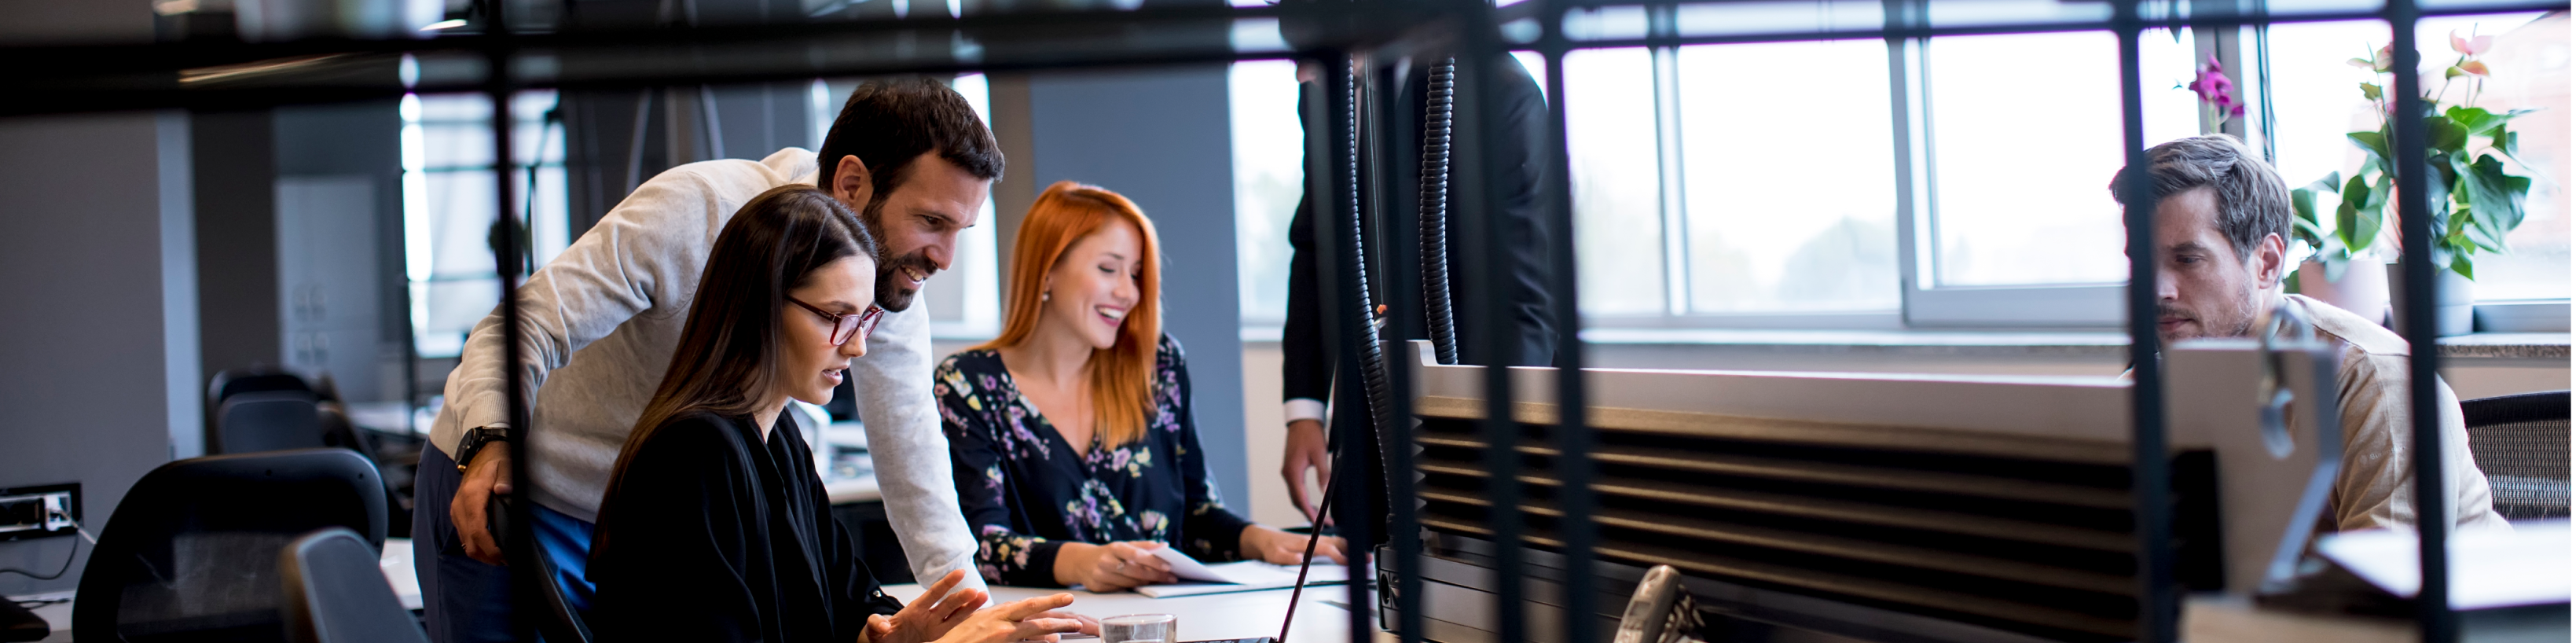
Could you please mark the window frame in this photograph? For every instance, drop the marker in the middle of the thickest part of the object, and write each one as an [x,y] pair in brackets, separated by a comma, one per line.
[1923,302]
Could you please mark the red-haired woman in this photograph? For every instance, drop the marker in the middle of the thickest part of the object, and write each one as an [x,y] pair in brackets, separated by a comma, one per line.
[1076,454]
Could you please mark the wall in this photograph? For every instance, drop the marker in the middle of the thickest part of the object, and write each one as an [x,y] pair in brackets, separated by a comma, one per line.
[1161,138]
[97,264]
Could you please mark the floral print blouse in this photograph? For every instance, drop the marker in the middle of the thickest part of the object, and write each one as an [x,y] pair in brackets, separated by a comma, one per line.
[1025,492]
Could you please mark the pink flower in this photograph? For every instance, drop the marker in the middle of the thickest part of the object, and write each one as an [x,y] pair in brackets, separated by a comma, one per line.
[2474,67]
[2471,46]
[2215,89]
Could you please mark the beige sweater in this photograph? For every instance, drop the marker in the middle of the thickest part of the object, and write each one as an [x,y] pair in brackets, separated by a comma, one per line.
[2377,486]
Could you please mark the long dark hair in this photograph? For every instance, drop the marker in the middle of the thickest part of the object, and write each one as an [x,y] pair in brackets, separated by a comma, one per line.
[729,349]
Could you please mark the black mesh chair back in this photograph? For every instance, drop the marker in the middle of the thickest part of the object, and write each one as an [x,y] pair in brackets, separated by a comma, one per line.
[268,421]
[191,552]
[2520,441]
[335,593]
[253,380]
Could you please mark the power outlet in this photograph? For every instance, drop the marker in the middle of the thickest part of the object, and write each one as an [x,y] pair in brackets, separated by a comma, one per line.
[39,511]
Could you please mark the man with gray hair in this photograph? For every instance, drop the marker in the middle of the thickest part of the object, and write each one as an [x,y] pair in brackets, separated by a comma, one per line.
[2222,217]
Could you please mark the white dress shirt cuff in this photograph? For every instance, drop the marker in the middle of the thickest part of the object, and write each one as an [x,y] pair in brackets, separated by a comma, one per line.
[1303,409]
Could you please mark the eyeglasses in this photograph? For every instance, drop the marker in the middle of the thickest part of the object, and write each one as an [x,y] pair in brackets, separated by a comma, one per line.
[845,326]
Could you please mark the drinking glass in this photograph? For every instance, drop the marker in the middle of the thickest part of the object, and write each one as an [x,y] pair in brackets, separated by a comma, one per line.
[1140,628]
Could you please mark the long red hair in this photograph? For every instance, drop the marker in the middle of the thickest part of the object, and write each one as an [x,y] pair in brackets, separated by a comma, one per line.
[1121,375]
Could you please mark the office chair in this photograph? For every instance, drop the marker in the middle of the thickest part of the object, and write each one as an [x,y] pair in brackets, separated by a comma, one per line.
[2520,441]
[268,421]
[335,593]
[191,552]
[252,380]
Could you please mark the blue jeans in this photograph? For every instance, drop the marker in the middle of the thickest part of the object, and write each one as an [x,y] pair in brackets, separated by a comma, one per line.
[465,600]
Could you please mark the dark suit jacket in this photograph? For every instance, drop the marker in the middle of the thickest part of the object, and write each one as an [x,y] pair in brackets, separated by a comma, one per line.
[1306,371]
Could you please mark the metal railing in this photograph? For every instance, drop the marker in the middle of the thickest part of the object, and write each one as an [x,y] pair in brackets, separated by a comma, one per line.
[1348,168]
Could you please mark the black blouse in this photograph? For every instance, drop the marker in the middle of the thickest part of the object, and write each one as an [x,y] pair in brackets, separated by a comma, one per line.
[713,535]
[1026,493]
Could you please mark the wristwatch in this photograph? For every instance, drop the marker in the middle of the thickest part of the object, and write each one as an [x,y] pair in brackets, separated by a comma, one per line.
[473,442]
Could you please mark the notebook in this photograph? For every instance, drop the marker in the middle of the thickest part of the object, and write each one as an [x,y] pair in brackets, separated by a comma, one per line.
[1240,576]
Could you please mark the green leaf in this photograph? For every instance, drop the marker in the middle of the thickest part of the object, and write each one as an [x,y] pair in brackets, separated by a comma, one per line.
[2494,200]
[2328,184]
[2478,121]
[2444,135]
[2357,220]
[2376,143]
[2460,264]
[2369,90]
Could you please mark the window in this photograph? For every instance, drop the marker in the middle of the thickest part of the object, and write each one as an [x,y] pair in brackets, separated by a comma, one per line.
[1789,175]
[1618,206]
[1861,183]
[2021,178]
[1269,145]
[2529,63]
[449,206]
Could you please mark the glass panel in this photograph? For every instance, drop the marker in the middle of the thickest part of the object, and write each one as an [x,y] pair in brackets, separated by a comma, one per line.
[2316,95]
[1790,209]
[1610,142]
[452,308]
[1605,23]
[2021,178]
[1779,17]
[2528,69]
[1268,146]
[449,202]
[460,215]
[1962,13]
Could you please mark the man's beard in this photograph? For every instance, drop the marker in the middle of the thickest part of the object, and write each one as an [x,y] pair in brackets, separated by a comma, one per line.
[2235,321]
[894,290]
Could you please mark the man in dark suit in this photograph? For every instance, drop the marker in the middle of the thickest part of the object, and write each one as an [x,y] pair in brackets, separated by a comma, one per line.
[1307,368]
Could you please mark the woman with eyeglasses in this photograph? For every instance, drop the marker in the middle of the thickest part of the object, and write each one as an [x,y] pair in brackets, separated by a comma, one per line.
[715,526]
[1076,452]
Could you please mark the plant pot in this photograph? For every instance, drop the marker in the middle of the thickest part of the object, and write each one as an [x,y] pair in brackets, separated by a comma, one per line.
[2362,290]
[2454,305]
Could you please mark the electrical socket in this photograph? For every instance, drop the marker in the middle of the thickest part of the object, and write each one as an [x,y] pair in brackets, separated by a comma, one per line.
[39,511]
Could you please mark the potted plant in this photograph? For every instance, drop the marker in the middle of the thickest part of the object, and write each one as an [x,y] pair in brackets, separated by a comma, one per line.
[2475,202]
[2327,273]
[2323,275]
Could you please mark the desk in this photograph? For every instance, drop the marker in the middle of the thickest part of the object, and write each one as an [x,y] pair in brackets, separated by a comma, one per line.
[1208,616]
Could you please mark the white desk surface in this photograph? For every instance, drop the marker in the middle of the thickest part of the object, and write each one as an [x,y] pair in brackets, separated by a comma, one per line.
[1207,616]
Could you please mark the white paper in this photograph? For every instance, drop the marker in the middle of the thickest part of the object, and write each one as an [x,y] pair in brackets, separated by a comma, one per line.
[1203,578]
[2489,568]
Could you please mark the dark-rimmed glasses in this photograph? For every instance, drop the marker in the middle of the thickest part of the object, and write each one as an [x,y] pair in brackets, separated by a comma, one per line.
[845,326]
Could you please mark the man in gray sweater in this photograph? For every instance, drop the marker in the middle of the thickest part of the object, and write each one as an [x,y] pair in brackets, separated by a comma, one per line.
[599,322]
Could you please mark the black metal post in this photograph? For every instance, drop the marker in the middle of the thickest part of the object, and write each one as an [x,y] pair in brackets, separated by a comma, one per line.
[2418,287]
[1574,468]
[507,261]
[2150,474]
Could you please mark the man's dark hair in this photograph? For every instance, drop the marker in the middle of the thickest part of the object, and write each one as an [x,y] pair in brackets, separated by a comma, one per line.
[2252,200]
[889,123]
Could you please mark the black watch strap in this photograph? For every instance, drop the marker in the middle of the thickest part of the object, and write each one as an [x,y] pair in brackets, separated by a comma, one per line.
[473,443]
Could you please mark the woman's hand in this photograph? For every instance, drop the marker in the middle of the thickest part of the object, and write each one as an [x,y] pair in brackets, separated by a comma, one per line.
[1282,548]
[1112,567]
[1016,621]
[930,615]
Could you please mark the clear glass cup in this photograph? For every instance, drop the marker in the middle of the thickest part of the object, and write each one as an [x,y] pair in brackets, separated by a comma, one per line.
[1140,628]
